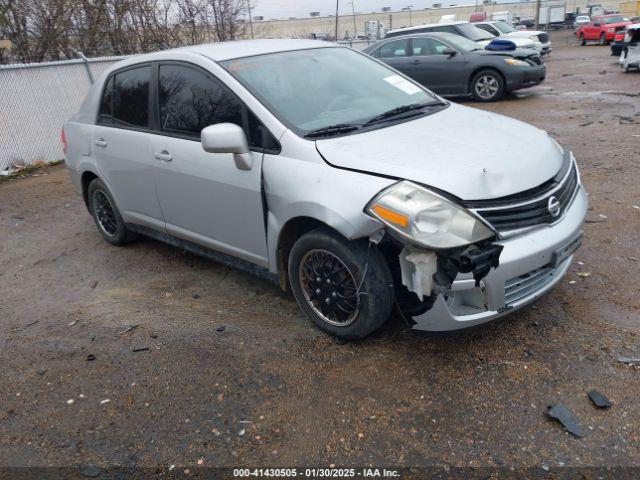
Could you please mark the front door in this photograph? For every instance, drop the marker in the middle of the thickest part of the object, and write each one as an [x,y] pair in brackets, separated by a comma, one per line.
[429,65]
[204,197]
[395,54]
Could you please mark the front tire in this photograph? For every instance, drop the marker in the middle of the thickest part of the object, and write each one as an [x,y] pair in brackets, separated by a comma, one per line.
[583,42]
[487,86]
[106,214]
[344,287]
[603,40]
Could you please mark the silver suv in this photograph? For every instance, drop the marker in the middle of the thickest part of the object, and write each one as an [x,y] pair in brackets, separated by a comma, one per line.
[332,174]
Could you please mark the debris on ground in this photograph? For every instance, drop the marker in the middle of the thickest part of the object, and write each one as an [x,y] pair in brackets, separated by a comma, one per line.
[93,284]
[598,399]
[195,295]
[563,415]
[584,274]
[128,329]
[91,357]
[71,401]
[141,349]
[30,324]
[42,371]
[106,400]
[71,324]
[628,360]
[585,124]
[221,328]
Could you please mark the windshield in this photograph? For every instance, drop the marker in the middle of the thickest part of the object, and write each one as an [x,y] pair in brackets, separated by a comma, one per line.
[615,19]
[461,43]
[504,28]
[322,87]
[474,33]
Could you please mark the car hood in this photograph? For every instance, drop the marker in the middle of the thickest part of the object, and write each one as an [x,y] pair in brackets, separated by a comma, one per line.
[469,153]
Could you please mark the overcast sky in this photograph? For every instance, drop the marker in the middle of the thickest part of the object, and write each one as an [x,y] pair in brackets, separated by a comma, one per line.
[302,8]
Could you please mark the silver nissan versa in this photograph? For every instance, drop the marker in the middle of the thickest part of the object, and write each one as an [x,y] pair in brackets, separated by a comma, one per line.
[334,175]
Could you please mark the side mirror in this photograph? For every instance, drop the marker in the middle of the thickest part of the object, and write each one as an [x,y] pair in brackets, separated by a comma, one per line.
[227,138]
[451,52]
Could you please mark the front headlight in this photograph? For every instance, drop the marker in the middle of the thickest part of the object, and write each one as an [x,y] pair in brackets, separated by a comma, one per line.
[515,62]
[426,218]
[535,38]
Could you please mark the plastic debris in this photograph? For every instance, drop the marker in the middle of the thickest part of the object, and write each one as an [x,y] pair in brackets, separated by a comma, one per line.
[128,329]
[584,274]
[71,324]
[141,349]
[565,417]
[91,357]
[628,360]
[71,401]
[221,328]
[598,399]
[106,400]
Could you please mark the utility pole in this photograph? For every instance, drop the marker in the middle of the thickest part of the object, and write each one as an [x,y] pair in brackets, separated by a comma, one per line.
[337,15]
[250,19]
[537,17]
[353,11]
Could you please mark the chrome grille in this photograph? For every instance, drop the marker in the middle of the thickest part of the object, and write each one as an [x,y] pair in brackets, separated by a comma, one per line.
[521,287]
[535,211]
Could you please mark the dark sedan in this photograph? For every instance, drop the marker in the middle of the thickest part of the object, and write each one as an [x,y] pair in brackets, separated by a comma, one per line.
[450,65]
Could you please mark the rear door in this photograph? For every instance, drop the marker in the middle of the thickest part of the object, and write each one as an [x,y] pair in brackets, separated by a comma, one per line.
[430,66]
[120,144]
[395,54]
[204,197]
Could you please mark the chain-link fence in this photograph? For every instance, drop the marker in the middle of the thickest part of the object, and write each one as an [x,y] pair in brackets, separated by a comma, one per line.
[35,100]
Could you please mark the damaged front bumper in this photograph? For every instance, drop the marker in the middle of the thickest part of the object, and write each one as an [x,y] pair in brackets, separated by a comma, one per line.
[530,265]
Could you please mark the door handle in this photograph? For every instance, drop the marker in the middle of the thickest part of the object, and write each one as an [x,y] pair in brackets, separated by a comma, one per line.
[100,143]
[163,155]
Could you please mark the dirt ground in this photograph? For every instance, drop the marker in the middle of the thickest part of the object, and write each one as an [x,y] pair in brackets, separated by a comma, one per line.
[231,374]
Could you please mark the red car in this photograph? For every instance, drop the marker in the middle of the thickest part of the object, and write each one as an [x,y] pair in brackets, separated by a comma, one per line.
[602,28]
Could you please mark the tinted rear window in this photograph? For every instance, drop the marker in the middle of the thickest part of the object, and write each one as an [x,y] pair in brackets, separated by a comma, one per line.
[131,97]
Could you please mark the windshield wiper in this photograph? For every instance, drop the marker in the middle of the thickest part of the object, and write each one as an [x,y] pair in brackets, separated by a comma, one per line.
[332,130]
[399,111]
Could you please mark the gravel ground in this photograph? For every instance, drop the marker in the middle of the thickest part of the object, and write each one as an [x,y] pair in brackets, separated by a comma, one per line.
[231,374]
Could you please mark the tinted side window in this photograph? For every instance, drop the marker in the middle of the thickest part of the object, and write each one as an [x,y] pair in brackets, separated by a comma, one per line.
[190,101]
[427,46]
[394,49]
[105,115]
[258,135]
[489,29]
[131,97]
[445,28]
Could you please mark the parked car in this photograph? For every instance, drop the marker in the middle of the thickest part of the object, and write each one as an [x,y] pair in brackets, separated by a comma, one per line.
[619,40]
[630,54]
[449,64]
[464,29]
[331,174]
[503,30]
[602,29]
[581,20]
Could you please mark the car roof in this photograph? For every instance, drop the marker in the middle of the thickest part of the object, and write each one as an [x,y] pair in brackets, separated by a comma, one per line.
[427,25]
[222,51]
[440,35]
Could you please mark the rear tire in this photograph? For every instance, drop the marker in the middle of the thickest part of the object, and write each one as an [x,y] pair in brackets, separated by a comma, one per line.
[344,287]
[583,42]
[106,214]
[487,86]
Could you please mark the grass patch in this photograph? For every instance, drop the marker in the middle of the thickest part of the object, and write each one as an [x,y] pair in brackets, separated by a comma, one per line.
[29,169]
